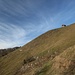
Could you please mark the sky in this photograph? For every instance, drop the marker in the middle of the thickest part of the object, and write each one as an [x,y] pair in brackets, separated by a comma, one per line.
[23,20]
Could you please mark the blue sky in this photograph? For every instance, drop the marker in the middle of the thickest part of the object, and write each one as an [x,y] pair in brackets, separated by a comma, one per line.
[23,20]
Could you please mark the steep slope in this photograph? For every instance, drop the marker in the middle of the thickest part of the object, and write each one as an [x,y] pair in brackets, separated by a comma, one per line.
[42,55]
[64,64]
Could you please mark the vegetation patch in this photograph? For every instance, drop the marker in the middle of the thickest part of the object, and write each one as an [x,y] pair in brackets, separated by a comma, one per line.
[29,60]
[44,69]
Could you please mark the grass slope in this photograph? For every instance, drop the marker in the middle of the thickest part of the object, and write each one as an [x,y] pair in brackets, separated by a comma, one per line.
[49,50]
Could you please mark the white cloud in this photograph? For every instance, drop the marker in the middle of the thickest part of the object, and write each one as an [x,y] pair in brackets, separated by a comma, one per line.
[11,35]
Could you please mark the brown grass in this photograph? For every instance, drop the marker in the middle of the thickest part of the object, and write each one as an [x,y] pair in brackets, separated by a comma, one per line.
[57,40]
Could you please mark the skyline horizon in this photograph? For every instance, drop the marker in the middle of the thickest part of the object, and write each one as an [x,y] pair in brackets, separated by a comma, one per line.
[23,20]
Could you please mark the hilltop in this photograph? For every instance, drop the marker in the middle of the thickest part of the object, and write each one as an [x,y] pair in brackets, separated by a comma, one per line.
[52,53]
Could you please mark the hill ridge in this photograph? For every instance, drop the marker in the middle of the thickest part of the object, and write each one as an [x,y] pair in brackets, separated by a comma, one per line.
[38,56]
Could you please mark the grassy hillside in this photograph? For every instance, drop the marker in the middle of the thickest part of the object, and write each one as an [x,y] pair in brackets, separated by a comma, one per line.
[52,53]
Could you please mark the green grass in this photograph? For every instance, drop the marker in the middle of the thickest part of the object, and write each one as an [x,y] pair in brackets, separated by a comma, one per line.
[44,69]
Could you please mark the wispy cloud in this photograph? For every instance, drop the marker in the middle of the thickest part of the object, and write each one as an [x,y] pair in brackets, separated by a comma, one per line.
[11,35]
[23,20]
